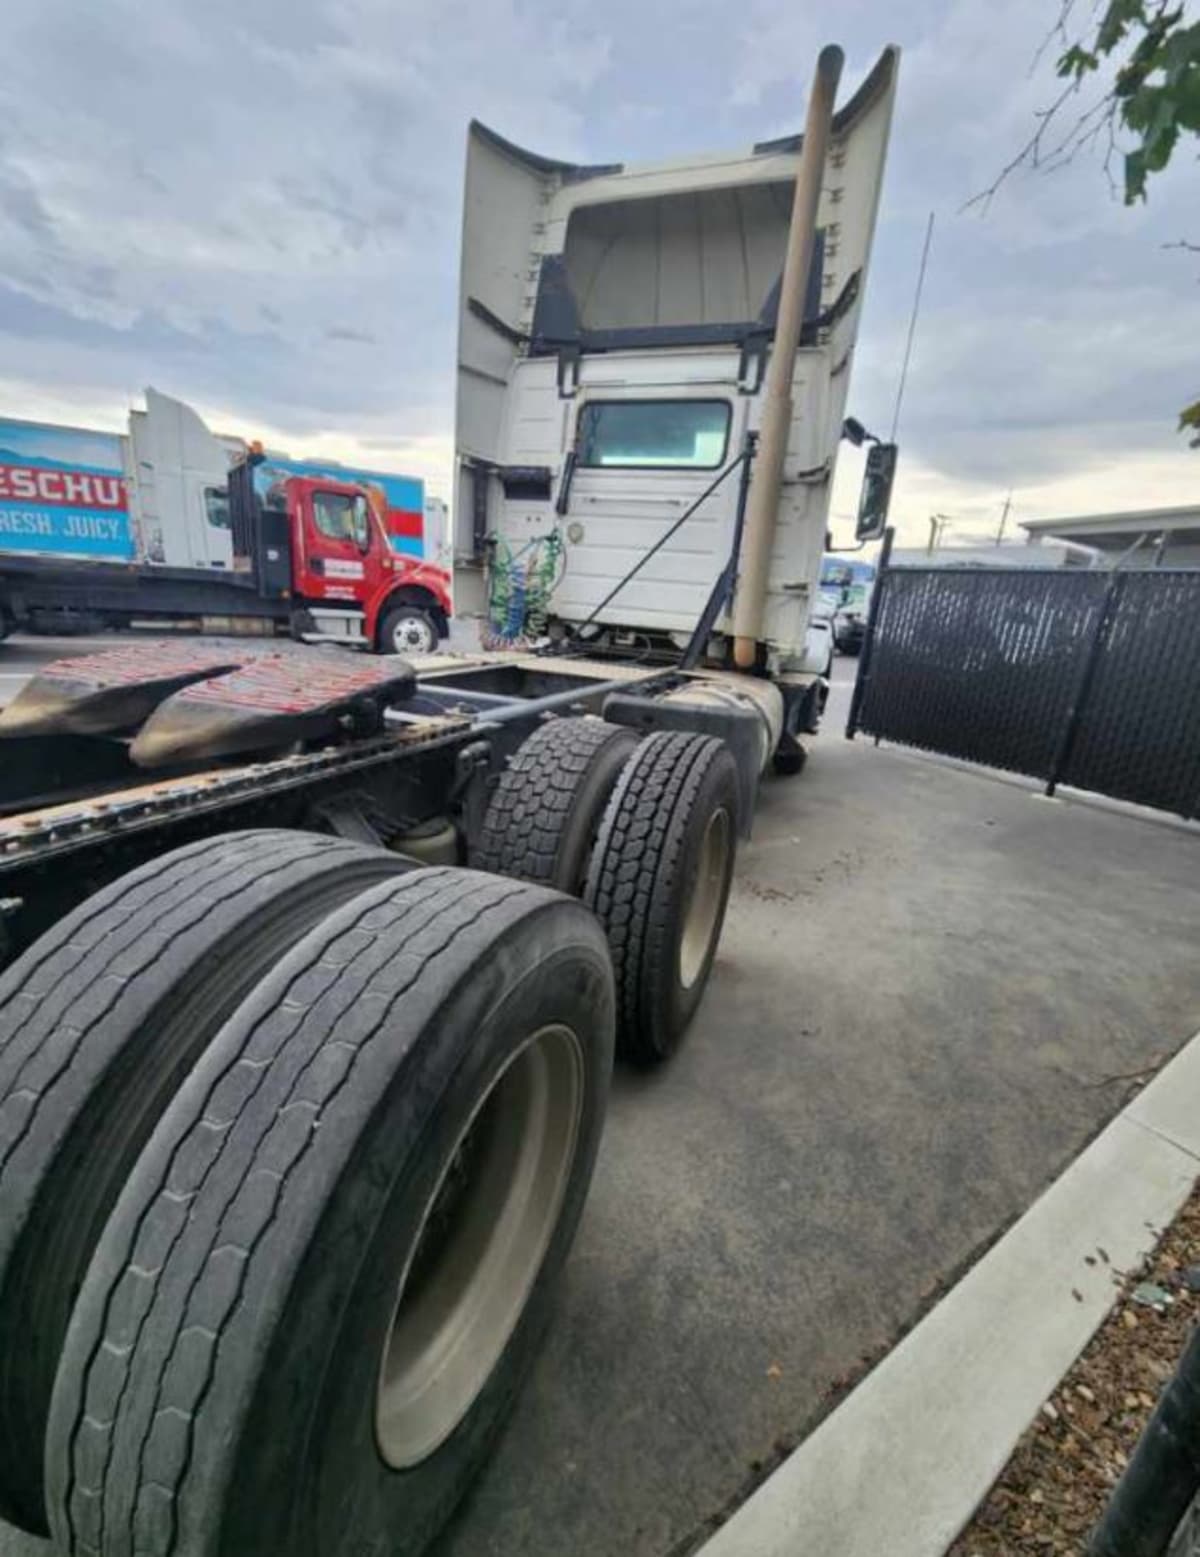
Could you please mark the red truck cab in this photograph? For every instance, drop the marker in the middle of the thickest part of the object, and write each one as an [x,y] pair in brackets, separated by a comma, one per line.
[348,583]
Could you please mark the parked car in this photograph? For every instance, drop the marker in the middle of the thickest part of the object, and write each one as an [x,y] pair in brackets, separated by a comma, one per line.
[845,591]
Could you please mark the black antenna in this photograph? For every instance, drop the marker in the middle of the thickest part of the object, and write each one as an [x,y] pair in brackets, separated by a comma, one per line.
[912,327]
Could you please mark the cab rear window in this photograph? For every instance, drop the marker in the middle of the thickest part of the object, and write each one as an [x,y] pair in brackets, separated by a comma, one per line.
[653,434]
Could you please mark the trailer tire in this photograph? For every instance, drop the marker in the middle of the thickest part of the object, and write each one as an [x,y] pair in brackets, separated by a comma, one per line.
[100,1021]
[545,812]
[659,884]
[411,1100]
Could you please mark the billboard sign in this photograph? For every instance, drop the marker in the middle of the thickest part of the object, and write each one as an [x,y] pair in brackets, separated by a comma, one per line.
[63,492]
[404,496]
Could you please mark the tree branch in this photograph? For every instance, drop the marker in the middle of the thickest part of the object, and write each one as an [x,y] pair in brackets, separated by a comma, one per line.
[1085,130]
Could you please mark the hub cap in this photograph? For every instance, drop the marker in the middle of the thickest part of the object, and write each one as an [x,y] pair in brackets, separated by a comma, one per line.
[413,635]
[704,906]
[483,1236]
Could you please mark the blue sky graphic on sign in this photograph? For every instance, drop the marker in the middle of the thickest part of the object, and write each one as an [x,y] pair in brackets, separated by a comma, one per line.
[405,495]
[62,492]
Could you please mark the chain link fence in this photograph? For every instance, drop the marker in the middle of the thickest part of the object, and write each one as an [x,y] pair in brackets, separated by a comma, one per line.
[1073,677]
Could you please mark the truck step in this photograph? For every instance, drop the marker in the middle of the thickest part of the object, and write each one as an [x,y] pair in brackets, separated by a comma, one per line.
[269,703]
[330,625]
[109,692]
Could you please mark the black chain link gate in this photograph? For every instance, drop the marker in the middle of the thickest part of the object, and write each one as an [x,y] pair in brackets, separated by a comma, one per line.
[1074,677]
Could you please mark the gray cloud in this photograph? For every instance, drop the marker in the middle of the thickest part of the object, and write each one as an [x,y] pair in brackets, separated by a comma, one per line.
[356,337]
[223,208]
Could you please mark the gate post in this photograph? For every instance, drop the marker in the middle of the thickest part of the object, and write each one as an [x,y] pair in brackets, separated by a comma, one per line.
[864,654]
[1084,685]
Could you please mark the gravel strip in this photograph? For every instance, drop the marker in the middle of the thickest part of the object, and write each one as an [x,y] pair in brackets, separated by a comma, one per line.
[1053,1489]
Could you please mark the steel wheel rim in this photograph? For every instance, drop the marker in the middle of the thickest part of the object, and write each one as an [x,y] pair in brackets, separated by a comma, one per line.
[462,1296]
[704,903]
[411,633]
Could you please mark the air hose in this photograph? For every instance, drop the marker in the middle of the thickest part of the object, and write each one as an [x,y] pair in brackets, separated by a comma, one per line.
[520,587]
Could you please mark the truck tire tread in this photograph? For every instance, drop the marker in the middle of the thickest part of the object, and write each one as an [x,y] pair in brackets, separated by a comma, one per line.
[543,815]
[634,879]
[99,1021]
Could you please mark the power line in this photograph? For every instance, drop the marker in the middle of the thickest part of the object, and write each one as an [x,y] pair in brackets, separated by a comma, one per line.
[912,327]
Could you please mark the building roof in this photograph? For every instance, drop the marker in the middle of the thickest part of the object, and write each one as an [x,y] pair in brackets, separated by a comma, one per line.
[1111,531]
[1009,554]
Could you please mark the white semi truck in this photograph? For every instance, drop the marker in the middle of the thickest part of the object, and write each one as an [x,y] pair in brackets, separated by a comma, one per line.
[620,367]
[298,1115]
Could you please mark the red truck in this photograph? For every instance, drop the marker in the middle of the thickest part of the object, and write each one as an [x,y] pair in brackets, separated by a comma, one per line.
[312,555]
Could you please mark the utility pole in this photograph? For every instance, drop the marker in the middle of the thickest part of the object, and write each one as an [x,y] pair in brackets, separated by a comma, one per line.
[1004,518]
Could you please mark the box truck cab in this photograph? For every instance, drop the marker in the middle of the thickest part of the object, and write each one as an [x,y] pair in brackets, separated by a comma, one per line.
[615,332]
[311,553]
[347,579]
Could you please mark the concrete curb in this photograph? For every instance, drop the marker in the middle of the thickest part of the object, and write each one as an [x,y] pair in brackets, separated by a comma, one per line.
[902,1464]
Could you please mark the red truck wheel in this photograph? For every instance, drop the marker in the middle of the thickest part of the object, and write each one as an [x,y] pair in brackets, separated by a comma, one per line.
[408,629]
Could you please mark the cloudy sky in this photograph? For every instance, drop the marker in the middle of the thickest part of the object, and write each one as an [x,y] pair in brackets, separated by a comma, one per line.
[253,204]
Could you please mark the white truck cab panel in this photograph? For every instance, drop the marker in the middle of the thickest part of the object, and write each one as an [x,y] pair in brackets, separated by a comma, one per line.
[178,472]
[614,329]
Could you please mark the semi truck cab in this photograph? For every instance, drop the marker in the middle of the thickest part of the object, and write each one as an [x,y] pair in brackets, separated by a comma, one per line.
[617,334]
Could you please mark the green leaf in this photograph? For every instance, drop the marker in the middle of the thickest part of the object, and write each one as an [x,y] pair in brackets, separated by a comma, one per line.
[1116,23]
[1189,418]
[1077,62]
[1135,176]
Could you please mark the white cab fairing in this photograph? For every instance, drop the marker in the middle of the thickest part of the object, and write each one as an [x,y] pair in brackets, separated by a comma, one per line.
[622,315]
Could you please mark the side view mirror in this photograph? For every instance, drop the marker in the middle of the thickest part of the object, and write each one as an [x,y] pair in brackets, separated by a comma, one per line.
[873,504]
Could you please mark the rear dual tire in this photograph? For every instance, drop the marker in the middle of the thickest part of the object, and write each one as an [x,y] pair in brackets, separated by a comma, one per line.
[544,815]
[645,831]
[659,884]
[409,1103]
[100,1021]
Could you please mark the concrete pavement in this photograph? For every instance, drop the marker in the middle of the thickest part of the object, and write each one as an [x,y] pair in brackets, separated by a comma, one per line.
[970,1378]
